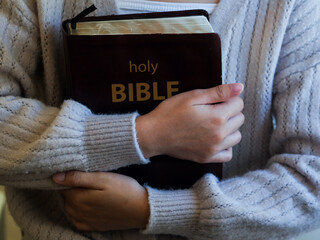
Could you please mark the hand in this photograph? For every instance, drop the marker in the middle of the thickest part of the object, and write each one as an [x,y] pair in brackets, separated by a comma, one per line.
[104,201]
[199,125]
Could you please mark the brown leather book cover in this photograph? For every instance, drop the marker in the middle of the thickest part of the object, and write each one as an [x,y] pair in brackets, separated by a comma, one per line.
[127,73]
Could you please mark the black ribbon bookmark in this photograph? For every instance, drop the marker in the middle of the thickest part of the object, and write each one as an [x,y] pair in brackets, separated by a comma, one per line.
[81,15]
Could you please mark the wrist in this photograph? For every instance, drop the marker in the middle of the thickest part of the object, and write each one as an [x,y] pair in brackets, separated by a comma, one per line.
[144,210]
[175,204]
[146,136]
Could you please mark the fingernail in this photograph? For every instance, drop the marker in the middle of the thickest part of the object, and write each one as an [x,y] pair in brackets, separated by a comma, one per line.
[236,87]
[59,177]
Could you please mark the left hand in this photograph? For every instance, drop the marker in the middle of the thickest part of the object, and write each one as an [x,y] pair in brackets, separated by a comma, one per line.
[104,201]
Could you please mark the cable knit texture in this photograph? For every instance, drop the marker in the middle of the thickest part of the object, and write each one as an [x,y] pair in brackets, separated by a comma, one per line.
[271,187]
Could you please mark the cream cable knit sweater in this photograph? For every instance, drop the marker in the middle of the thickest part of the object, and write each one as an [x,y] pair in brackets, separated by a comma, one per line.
[271,190]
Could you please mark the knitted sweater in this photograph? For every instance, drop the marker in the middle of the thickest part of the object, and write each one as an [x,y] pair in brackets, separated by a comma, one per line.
[271,187]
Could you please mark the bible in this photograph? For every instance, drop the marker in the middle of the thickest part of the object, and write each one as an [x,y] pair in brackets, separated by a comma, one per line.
[126,63]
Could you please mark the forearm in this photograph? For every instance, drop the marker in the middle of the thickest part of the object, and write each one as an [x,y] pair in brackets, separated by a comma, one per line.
[38,141]
[262,204]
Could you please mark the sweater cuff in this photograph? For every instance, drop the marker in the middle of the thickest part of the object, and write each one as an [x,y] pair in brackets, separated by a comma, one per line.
[112,139]
[174,212]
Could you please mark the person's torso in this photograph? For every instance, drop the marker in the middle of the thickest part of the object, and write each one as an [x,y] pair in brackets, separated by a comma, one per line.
[243,60]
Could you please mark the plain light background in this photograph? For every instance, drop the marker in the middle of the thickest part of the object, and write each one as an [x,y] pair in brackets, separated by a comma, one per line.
[12,231]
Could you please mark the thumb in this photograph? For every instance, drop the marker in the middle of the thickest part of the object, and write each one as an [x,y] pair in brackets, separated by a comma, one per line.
[78,179]
[220,93]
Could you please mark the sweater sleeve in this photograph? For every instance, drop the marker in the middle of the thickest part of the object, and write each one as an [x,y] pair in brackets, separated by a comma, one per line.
[281,200]
[36,140]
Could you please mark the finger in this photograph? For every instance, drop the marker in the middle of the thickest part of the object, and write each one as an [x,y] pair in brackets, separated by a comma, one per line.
[224,150]
[229,109]
[233,124]
[230,141]
[223,156]
[70,192]
[75,196]
[80,225]
[71,214]
[218,94]
[80,179]
[78,201]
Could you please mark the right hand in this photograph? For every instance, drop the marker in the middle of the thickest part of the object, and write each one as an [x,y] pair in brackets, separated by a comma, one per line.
[199,125]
